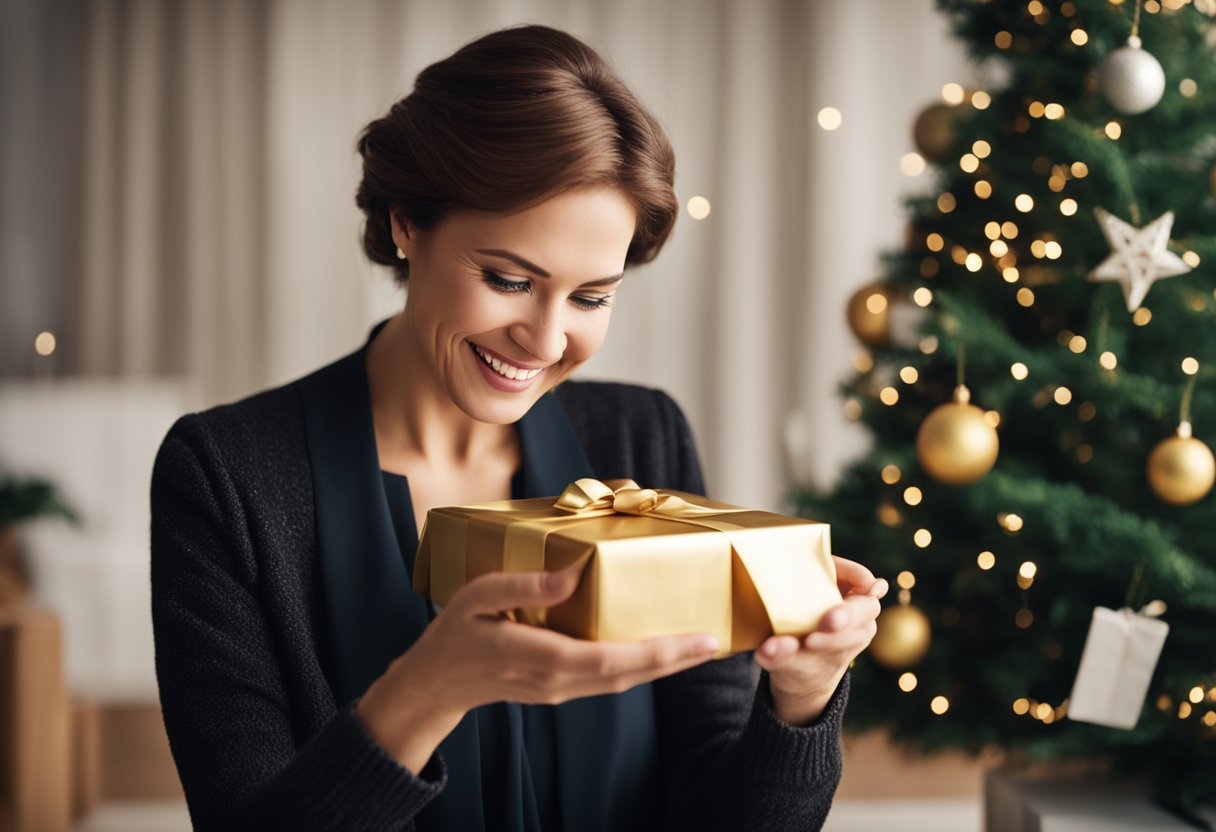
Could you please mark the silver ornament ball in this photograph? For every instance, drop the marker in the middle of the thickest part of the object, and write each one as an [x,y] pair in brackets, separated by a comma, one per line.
[1131,79]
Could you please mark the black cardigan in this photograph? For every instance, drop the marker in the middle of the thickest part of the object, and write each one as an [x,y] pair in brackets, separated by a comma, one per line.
[258,739]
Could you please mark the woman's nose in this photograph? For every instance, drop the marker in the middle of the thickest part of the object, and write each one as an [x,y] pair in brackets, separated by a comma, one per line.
[543,335]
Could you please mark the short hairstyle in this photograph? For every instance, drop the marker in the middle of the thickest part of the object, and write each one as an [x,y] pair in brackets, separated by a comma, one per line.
[512,118]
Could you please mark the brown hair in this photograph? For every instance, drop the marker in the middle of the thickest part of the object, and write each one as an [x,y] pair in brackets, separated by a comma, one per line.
[511,118]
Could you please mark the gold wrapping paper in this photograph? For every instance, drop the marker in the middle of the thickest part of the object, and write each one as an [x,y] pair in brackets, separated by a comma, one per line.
[655,562]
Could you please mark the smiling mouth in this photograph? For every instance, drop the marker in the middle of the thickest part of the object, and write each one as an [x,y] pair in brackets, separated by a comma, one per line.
[508,371]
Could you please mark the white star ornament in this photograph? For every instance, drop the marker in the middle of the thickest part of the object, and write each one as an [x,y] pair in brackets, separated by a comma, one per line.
[1139,255]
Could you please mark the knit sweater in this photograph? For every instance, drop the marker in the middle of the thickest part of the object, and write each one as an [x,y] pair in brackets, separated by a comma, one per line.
[257,736]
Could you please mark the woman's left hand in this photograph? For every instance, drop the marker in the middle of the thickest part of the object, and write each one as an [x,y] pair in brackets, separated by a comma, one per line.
[804,673]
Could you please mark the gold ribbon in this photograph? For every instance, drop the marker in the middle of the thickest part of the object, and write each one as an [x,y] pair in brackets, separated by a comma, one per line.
[627,497]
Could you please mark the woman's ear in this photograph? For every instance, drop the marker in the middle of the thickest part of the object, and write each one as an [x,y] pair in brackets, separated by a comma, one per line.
[403,235]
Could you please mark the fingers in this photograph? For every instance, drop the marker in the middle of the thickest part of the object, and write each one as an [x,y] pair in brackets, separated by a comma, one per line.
[495,592]
[853,578]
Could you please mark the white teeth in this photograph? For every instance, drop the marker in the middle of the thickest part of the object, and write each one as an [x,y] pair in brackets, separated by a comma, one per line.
[508,370]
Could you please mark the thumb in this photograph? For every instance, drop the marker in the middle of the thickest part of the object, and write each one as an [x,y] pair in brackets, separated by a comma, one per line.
[492,593]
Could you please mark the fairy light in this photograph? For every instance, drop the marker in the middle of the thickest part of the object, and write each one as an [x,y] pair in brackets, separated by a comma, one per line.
[1188,87]
[1035,8]
[1010,274]
[905,580]
[953,93]
[907,682]
[1080,170]
[1028,570]
[1184,710]
[830,118]
[1003,39]
[1108,360]
[922,296]
[998,248]
[1043,711]
[986,560]
[992,418]
[1142,316]
[1053,111]
[1190,366]
[1010,522]
[969,163]
[1086,411]
[1024,203]
[1113,130]
[1209,719]
[1019,371]
[980,100]
[982,188]
[1196,695]
[1009,230]
[909,375]
[981,149]
[928,345]
[1191,258]
[912,495]
[1062,395]
[974,262]
[889,515]
[1023,618]
[958,254]
[1079,36]
[1021,706]
[922,538]
[876,303]
[1036,109]
[44,343]
[891,474]
[935,242]
[1068,206]
[992,230]
[1025,297]
[939,705]
[888,396]
[1038,248]
[946,203]
[1077,344]
[912,164]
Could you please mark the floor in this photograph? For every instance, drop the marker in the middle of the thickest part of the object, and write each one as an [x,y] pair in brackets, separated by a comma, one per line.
[937,815]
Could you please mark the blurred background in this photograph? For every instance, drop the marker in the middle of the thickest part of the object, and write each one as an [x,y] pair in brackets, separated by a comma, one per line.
[178,229]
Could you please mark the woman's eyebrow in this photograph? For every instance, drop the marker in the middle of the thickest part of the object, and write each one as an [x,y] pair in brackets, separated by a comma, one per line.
[537,270]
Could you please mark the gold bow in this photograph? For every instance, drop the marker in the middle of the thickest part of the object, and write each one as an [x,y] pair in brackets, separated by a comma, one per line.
[625,496]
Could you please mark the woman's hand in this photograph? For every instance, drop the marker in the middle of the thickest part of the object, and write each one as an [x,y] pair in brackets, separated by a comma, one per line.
[472,655]
[804,673]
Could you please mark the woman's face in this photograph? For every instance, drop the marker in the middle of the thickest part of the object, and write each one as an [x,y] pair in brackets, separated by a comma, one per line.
[506,306]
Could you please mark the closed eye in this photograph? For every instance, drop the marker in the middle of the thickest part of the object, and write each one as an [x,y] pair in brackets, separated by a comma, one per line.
[510,287]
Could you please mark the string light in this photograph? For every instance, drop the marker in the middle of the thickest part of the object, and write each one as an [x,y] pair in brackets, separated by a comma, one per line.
[912,495]
[1086,411]
[982,188]
[946,203]
[935,242]
[986,560]
[981,149]
[998,248]
[1009,230]
[1019,371]
[992,230]
[1188,87]
[912,164]
[974,262]
[928,345]
[969,163]
[1023,618]
[1025,297]
[909,375]
[1011,523]
[1077,344]
[1190,258]
[1196,695]
[939,705]
[922,296]
[1003,39]
[1079,36]
[980,100]
[876,303]
[1010,274]
[44,343]
[922,538]
[1068,206]
[1062,395]
[1108,360]
[1053,111]
[952,93]
[1080,170]
[889,515]
[1021,707]
[992,418]
[1113,130]
[891,474]
[1142,316]
[1190,366]
[888,396]
[1036,109]
[698,207]
[907,682]
[830,118]
[905,580]
[1024,203]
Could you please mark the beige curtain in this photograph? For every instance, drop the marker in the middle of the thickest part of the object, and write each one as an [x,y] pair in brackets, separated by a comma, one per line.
[220,239]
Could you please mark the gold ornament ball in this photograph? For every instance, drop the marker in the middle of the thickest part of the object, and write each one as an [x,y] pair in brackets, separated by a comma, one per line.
[1181,470]
[868,313]
[934,132]
[955,444]
[902,638]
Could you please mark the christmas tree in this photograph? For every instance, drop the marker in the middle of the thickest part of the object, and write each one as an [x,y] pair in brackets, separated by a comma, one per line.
[1061,275]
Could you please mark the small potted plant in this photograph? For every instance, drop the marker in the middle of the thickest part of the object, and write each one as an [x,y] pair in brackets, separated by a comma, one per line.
[22,500]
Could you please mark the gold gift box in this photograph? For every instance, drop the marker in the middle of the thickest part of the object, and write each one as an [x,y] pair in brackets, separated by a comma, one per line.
[655,562]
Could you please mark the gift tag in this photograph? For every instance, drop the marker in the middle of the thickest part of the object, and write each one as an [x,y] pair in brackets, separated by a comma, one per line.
[1120,654]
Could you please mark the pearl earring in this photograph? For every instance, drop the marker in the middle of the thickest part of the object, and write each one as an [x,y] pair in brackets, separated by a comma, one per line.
[400,253]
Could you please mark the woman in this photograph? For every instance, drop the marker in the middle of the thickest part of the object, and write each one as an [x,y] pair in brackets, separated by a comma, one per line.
[304,684]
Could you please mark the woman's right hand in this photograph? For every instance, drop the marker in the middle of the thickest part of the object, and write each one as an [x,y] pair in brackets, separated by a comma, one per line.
[472,655]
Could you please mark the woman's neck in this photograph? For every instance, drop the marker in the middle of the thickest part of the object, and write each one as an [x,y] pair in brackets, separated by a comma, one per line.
[414,419]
